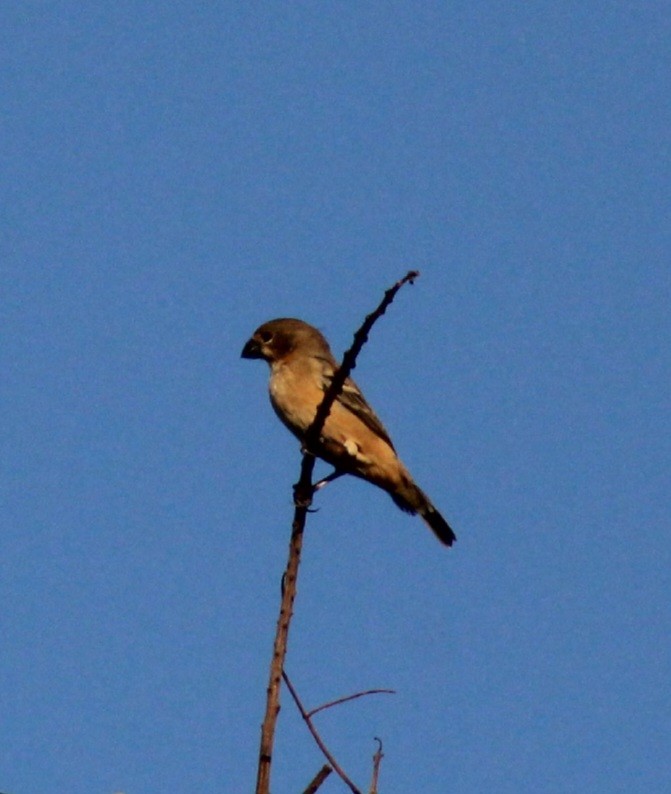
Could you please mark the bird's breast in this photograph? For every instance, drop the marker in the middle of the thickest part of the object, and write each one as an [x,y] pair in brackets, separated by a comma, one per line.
[294,395]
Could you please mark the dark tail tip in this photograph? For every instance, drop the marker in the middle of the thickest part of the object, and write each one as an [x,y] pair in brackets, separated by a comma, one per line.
[413,500]
[441,528]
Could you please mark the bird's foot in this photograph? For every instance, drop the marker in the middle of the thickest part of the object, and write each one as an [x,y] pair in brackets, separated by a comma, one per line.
[329,478]
[303,495]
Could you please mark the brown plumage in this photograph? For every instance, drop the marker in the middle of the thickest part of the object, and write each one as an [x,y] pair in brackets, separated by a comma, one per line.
[353,439]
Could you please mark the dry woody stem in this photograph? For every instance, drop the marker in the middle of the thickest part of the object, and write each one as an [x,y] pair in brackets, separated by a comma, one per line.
[302,499]
[318,779]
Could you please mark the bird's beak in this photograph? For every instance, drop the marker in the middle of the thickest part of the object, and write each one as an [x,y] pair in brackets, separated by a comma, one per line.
[252,349]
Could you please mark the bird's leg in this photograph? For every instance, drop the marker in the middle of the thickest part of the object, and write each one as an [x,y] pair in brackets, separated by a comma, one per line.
[306,498]
[326,480]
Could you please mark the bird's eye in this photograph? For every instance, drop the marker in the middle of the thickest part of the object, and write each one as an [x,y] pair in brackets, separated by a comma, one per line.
[265,337]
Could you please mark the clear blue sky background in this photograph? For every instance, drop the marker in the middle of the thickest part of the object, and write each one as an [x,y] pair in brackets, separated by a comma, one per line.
[174,174]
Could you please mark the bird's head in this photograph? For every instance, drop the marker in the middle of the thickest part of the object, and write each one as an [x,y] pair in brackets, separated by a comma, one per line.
[276,339]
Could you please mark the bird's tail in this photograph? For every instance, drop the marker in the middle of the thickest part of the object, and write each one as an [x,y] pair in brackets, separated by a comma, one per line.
[412,499]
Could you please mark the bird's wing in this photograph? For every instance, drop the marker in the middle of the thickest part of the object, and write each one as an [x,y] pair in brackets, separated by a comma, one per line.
[350,397]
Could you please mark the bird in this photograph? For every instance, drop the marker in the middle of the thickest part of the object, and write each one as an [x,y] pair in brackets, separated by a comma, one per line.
[353,440]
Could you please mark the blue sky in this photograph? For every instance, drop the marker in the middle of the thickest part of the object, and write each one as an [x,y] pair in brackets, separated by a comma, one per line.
[176,174]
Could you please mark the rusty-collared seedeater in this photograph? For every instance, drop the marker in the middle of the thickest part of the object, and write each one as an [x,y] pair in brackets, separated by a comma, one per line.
[353,440]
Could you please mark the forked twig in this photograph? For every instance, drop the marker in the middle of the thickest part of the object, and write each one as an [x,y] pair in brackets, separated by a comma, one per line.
[303,492]
[318,739]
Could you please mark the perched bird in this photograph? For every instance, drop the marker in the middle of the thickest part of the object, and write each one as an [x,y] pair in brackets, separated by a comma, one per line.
[353,439]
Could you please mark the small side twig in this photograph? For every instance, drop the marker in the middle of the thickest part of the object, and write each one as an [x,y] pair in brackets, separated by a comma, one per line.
[303,499]
[318,779]
[377,760]
[350,697]
[318,739]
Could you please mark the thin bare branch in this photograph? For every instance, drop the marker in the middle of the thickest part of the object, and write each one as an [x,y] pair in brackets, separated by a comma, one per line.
[377,760]
[350,697]
[349,361]
[289,581]
[318,739]
[318,779]
[303,492]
